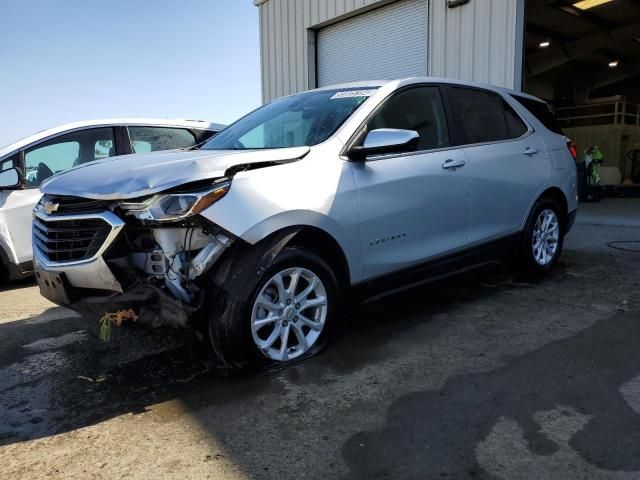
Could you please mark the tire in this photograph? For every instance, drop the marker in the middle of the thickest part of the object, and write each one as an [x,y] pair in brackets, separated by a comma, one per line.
[4,274]
[533,258]
[235,327]
[4,268]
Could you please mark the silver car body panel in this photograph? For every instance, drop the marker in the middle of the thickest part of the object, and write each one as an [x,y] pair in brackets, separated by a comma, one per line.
[139,175]
[95,274]
[386,214]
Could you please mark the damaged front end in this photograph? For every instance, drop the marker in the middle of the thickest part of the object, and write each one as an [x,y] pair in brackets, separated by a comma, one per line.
[149,254]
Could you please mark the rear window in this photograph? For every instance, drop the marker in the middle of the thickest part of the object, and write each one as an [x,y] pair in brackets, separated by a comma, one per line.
[153,139]
[542,112]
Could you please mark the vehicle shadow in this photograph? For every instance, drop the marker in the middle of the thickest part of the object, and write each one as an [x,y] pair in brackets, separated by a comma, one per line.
[18,284]
[56,375]
[437,433]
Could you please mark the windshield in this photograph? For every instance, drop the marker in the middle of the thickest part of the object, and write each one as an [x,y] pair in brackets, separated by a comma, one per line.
[296,121]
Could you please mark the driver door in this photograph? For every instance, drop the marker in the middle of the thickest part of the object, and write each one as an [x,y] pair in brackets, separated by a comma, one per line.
[413,206]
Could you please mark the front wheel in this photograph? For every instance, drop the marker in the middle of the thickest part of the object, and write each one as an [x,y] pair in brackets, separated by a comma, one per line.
[286,318]
[542,239]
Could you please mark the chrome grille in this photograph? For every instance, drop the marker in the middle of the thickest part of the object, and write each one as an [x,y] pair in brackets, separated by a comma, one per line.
[69,240]
[67,205]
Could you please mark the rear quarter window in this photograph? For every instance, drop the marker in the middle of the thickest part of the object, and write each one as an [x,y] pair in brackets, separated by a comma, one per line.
[541,111]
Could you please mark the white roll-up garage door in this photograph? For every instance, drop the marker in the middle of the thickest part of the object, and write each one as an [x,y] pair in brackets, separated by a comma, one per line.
[389,42]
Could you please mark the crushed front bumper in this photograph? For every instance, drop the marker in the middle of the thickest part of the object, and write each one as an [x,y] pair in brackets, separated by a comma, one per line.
[80,265]
[88,271]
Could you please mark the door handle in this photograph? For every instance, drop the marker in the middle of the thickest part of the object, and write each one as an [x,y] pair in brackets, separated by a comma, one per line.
[452,164]
[530,151]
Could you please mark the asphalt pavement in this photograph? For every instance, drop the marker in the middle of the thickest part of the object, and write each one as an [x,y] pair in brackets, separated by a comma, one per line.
[482,375]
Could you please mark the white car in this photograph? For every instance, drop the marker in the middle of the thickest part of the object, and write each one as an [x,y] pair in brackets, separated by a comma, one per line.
[40,156]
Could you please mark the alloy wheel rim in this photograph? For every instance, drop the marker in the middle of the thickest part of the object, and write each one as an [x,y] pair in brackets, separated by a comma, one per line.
[546,236]
[289,314]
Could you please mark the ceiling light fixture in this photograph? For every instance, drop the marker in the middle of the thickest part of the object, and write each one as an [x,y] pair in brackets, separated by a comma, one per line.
[613,64]
[587,4]
[545,44]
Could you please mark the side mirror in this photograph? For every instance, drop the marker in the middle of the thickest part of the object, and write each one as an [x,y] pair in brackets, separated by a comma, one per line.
[10,179]
[385,140]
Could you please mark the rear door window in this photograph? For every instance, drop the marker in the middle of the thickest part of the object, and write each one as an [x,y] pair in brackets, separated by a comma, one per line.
[480,115]
[153,139]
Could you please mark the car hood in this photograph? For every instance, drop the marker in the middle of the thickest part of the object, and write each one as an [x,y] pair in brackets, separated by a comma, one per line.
[132,176]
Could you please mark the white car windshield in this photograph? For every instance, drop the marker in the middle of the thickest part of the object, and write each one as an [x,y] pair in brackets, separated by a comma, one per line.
[295,121]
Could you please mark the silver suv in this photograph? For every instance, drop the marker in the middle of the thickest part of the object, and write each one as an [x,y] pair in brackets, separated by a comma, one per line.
[262,233]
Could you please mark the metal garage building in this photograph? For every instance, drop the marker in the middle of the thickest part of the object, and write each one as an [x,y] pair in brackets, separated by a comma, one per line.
[310,43]
[583,56]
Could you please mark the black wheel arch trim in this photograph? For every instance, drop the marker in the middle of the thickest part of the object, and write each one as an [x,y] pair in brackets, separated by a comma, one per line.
[557,194]
[243,264]
[5,265]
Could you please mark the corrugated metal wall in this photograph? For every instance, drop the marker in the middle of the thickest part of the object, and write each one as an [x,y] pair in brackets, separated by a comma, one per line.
[476,42]
[285,42]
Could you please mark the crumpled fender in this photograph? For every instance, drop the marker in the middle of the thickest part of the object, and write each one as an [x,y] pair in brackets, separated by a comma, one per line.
[243,264]
[132,176]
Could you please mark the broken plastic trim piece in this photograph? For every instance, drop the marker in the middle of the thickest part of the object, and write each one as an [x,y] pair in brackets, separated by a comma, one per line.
[208,256]
[243,167]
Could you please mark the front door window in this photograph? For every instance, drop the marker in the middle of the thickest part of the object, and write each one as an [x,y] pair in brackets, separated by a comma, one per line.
[67,151]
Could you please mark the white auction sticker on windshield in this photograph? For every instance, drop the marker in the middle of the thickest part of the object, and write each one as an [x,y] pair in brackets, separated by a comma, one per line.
[353,93]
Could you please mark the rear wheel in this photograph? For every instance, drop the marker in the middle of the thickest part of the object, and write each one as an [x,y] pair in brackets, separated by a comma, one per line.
[542,239]
[286,318]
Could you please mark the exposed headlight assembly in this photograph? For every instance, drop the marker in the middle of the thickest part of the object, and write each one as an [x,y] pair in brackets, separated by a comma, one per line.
[171,207]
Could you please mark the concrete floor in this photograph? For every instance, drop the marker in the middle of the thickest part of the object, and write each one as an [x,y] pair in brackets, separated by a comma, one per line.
[612,212]
[478,376]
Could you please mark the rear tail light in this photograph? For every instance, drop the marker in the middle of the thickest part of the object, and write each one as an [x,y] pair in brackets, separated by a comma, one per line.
[573,149]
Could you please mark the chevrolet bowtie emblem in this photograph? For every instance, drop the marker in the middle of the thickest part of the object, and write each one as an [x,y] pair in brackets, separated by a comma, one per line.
[50,207]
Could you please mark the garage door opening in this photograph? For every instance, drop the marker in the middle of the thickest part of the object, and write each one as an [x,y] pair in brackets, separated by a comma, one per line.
[584,58]
[385,43]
